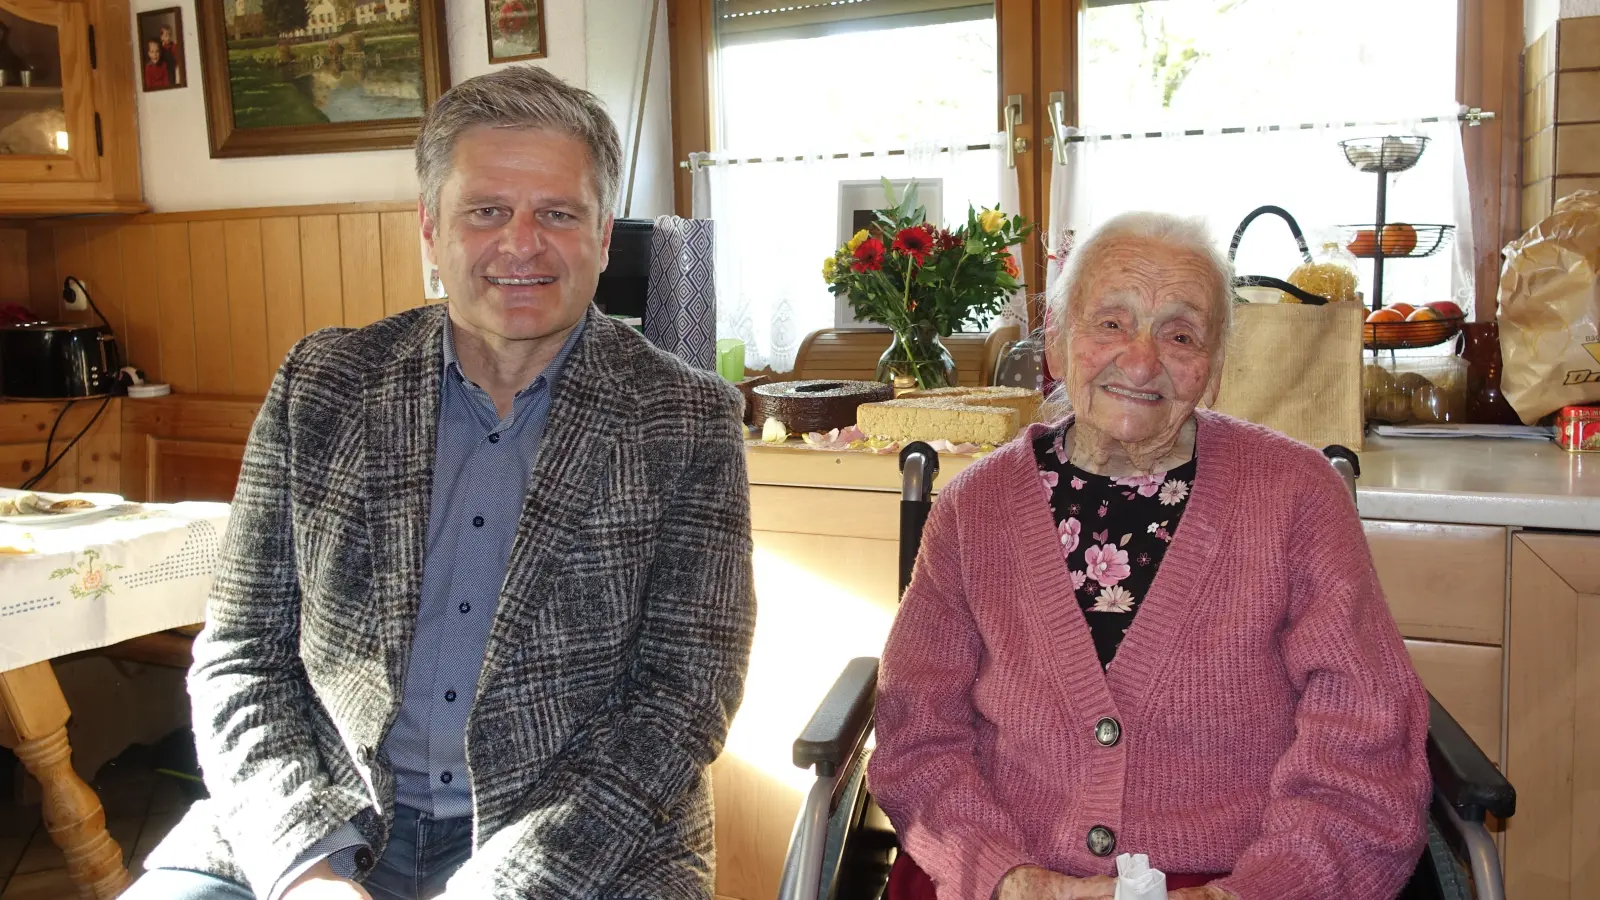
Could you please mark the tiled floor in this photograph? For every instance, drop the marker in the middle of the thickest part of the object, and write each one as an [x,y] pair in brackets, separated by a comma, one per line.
[141,805]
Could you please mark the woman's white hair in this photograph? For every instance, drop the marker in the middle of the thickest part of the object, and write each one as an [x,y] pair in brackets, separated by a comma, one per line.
[1171,232]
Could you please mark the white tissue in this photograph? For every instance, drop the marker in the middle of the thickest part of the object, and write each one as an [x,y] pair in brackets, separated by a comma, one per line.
[1137,881]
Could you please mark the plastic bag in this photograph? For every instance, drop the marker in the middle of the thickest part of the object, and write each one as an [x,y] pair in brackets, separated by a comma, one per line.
[1331,274]
[1550,311]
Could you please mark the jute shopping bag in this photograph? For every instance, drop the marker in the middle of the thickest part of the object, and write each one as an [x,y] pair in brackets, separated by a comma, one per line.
[1297,369]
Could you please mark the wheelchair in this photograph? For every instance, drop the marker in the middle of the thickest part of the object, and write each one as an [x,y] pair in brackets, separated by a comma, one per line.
[843,845]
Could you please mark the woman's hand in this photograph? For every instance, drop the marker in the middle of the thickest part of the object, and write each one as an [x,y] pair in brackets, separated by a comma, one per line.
[1200,893]
[1035,883]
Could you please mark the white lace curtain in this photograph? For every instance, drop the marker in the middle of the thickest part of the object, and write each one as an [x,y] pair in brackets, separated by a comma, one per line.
[777,221]
[1223,177]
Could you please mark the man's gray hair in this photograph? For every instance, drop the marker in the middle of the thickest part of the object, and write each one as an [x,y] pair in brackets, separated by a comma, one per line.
[518,97]
[1164,229]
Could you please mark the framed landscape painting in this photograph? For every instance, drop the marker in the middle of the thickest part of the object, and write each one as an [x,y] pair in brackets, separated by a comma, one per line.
[516,29]
[319,76]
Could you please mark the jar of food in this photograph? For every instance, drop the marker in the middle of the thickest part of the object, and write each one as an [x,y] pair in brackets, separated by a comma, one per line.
[1420,390]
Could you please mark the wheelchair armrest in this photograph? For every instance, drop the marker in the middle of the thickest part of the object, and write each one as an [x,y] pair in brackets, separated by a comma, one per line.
[1462,773]
[840,725]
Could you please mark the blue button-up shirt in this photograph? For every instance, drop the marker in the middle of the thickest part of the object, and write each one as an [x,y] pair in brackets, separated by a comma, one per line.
[480,477]
[482,463]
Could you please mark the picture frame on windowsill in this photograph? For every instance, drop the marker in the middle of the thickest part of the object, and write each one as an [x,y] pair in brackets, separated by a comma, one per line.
[858,200]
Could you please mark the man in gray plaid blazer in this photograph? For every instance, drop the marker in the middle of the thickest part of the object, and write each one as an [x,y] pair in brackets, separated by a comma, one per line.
[485,603]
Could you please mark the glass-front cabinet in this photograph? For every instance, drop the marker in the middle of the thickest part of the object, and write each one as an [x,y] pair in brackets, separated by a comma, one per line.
[68,134]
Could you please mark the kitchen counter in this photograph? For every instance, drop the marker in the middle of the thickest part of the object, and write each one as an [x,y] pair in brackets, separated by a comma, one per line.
[1529,484]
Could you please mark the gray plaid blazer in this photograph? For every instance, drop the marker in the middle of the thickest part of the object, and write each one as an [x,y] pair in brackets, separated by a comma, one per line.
[615,661]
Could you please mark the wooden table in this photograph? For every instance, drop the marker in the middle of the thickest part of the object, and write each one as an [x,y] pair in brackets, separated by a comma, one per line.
[141,570]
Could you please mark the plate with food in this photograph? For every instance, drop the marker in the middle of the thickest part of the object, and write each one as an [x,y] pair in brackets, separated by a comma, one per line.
[32,509]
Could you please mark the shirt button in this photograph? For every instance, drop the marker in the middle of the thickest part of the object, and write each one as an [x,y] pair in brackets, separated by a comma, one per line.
[449,696]
[1107,732]
[363,858]
[494,438]
[446,778]
[1101,841]
[465,607]
[477,521]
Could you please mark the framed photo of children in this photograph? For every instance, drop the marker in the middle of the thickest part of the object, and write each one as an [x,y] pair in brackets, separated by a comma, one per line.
[161,62]
[516,29]
[319,76]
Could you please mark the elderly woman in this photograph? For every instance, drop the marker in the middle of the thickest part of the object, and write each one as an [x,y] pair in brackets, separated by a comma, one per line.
[1149,628]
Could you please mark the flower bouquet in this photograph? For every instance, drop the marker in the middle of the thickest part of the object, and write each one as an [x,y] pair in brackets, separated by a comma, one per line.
[925,282]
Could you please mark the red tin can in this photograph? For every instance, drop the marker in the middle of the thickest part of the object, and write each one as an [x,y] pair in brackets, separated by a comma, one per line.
[1578,428]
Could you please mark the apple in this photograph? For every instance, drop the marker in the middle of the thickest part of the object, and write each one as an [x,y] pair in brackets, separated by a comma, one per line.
[1387,314]
[1403,309]
[1424,315]
[1447,310]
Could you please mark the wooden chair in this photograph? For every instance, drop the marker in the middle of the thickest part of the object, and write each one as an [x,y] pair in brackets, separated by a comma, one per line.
[851,354]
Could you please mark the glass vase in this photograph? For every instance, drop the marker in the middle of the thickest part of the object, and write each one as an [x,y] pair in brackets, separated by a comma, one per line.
[917,360]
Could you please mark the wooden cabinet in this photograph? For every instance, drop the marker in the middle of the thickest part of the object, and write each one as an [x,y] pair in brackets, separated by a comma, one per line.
[69,138]
[1553,717]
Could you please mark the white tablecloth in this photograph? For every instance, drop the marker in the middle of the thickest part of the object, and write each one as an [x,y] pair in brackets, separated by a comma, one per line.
[144,569]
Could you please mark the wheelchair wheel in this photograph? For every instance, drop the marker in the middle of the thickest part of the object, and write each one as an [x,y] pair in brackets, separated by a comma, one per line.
[1439,875]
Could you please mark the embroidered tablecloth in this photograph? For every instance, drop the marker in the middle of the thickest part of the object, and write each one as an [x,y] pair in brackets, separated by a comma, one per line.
[143,569]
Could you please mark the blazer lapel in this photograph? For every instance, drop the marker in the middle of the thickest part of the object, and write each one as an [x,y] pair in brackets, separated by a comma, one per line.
[400,409]
[587,415]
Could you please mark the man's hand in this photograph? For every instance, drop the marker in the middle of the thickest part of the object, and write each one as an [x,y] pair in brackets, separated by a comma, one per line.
[319,883]
[1035,883]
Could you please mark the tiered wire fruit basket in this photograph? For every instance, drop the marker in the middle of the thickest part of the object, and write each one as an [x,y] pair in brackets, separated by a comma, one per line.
[1382,156]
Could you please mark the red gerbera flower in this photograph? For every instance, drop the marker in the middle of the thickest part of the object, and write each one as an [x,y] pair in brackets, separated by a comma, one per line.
[946,240]
[915,242]
[869,256]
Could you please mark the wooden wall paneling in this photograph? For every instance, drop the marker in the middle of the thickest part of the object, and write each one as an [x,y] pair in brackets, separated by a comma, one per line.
[322,278]
[188,418]
[247,307]
[361,267]
[176,303]
[19,462]
[104,277]
[141,295]
[44,291]
[280,261]
[99,452]
[208,267]
[402,261]
[14,265]
[72,258]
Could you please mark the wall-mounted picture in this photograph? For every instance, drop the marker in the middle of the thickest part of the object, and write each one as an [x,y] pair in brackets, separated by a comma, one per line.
[516,29]
[319,76]
[161,61]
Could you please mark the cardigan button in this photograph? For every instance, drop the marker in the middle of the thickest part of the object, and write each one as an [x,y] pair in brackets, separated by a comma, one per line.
[1101,841]
[1107,732]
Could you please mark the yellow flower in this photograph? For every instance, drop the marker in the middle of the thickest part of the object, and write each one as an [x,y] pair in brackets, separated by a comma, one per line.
[856,240]
[991,220]
[827,269]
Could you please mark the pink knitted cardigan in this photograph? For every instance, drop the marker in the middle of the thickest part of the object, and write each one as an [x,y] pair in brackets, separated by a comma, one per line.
[1271,723]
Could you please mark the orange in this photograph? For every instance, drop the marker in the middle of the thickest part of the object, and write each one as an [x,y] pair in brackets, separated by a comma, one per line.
[1423,315]
[1384,315]
[1399,239]
[1403,309]
[1364,243]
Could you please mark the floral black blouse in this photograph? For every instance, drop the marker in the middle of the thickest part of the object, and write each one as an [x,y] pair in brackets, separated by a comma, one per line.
[1114,532]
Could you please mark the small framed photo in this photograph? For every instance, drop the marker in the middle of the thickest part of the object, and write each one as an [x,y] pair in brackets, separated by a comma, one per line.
[516,30]
[857,202]
[161,61]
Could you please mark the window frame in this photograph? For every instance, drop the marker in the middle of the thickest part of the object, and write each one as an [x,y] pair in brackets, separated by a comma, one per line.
[1038,50]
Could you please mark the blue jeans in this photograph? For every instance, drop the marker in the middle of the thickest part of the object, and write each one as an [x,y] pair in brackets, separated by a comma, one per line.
[422,854]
